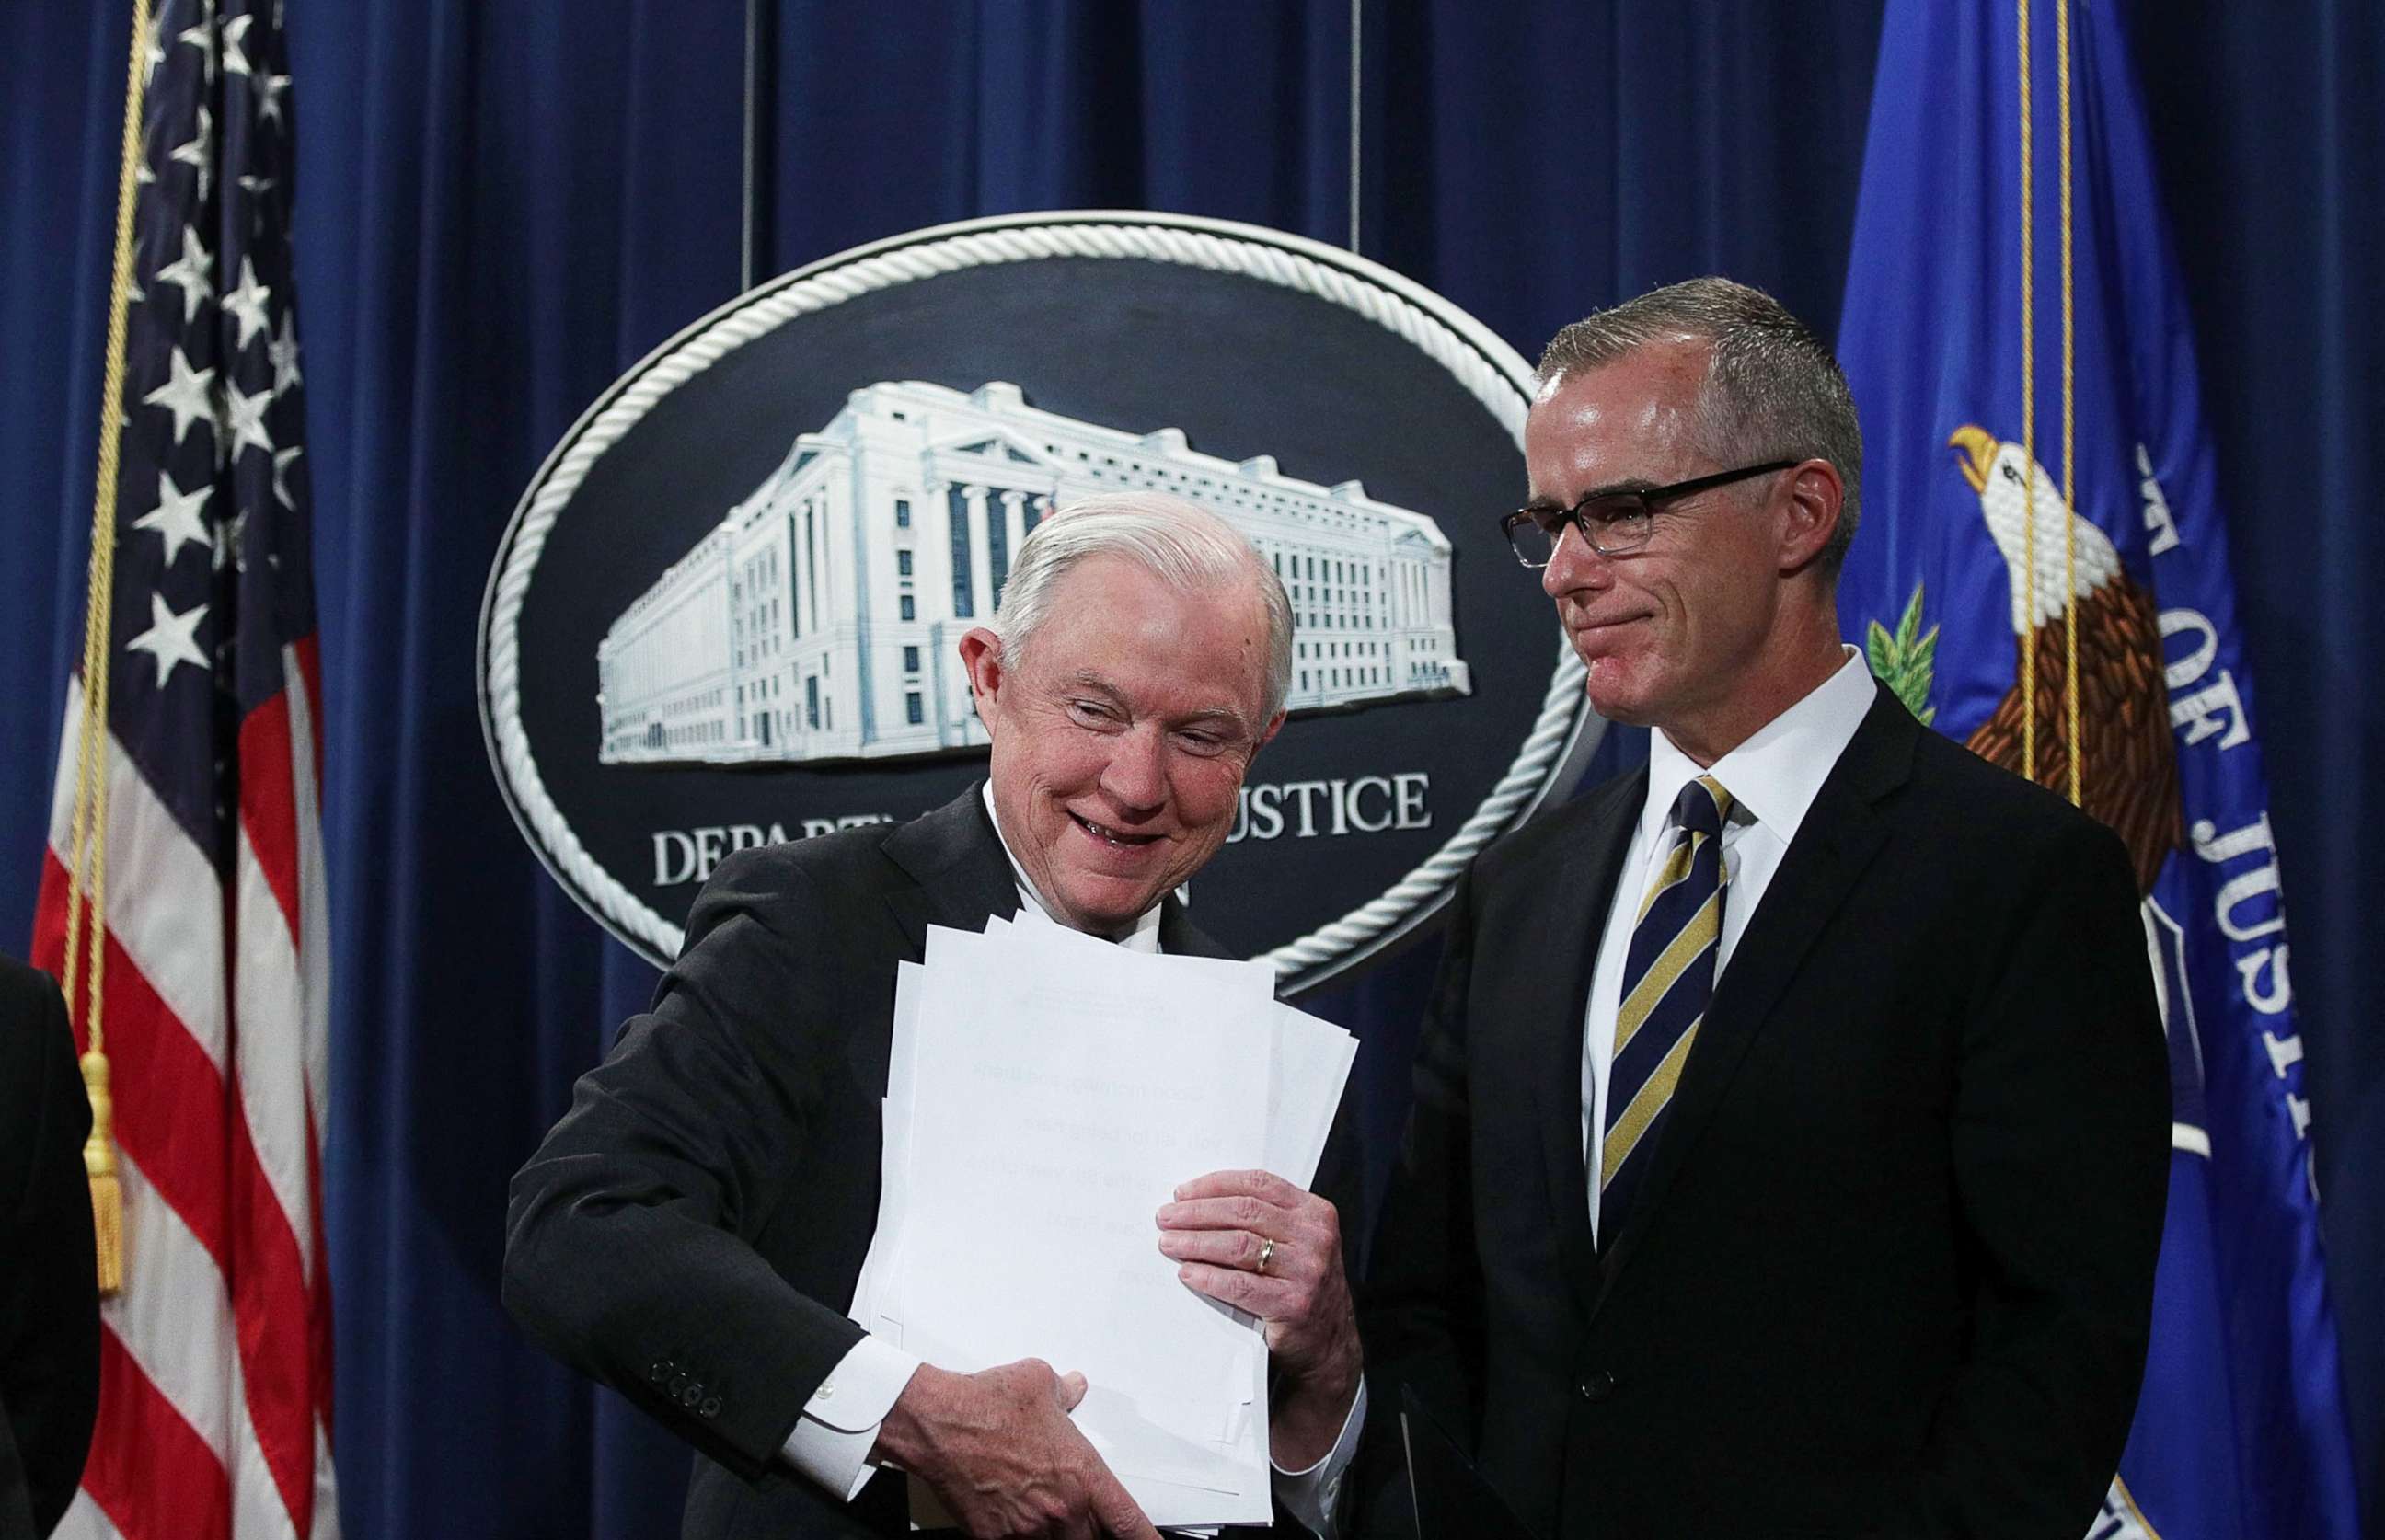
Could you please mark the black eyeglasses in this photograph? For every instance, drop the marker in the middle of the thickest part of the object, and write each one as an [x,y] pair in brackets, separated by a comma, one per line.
[1613,523]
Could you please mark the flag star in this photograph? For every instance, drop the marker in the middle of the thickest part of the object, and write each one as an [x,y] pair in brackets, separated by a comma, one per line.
[187,393]
[155,53]
[255,186]
[144,174]
[176,517]
[283,350]
[244,418]
[269,87]
[235,34]
[191,274]
[172,638]
[246,304]
[194,152]
[203,38]
[282,459]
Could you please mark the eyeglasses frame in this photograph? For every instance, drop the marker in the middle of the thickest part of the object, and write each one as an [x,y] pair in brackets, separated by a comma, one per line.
[1648,501]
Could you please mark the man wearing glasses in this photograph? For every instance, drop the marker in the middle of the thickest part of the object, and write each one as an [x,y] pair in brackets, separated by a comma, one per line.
[1789,1140]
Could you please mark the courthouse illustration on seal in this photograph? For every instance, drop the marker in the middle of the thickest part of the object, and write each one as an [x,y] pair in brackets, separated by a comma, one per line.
[818,620]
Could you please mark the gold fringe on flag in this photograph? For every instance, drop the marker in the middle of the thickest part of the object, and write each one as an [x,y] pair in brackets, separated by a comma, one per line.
[87,854]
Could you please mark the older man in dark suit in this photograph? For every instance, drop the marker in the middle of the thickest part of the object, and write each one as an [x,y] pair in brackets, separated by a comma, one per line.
[691,1232]
[49,1295]
[1791,1124]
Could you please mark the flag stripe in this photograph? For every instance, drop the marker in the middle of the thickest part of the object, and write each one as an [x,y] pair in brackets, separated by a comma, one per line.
[327,1497]
[320,1343]
[306,655]
[181,944]
[174,1320]
[180,1120]
[269,1052]
[302,670]
[301,667]
[154,1477]
[269,813]
[169,1117]
[83,1521]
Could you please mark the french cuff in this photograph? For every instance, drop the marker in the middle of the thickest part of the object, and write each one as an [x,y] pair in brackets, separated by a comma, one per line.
[832,1439]
[1311,1496]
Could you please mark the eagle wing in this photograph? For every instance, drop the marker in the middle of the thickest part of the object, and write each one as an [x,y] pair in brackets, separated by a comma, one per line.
[2130,781]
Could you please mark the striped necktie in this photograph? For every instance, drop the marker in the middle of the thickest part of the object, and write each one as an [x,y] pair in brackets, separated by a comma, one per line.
[1667,978]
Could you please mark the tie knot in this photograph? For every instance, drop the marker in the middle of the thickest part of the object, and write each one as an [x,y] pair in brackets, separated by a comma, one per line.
[1702,807]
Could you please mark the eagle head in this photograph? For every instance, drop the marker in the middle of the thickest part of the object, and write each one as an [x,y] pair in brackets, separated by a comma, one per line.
[2013,489]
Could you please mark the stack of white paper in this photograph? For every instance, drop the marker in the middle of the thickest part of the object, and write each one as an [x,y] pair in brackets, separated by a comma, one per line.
[1046,1094]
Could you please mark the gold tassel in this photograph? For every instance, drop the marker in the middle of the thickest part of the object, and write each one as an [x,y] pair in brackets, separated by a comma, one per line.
[99,1165]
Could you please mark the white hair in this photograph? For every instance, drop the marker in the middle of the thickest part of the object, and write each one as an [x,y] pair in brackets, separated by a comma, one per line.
[1175,539]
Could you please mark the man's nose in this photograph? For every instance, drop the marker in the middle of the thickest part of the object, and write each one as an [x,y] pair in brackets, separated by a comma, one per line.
[1573,564]
[1136,777]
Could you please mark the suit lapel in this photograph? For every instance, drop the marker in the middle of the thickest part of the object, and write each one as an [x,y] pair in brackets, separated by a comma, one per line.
[960,874]
[1569,916]
[1840,836]
[1179,937]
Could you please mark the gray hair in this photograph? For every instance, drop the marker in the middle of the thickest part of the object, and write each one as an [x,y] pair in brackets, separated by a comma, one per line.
[1177,540]
[1772,391]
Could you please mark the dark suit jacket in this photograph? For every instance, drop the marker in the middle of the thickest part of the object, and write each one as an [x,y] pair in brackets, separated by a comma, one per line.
[689,1232]
[49,1291]
[1891,1272]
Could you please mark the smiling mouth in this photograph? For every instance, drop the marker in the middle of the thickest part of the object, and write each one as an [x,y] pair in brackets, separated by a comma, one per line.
[1115,838]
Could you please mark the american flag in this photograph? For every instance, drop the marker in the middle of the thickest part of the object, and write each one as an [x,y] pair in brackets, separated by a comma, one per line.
[214,1414]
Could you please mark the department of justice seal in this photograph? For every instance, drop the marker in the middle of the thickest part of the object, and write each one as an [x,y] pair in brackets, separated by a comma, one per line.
[726,610]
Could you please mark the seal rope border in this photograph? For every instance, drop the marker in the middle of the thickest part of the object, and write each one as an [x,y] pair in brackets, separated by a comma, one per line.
[1181,240]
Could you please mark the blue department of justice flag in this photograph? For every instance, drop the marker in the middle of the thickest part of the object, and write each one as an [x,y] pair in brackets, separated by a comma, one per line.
[2043,574]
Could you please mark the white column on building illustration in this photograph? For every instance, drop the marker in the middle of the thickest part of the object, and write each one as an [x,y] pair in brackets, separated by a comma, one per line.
[981,559]
[1014,530]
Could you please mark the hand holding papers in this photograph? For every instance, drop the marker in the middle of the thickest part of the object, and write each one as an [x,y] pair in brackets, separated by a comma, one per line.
[1047,1093]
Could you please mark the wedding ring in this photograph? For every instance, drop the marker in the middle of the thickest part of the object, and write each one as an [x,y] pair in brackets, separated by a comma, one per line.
[1266,1255]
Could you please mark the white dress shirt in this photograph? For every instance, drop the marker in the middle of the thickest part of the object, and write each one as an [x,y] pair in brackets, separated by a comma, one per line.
[1772,779]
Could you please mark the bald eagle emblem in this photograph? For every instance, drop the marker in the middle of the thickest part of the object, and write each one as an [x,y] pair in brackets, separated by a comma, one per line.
[2129,767]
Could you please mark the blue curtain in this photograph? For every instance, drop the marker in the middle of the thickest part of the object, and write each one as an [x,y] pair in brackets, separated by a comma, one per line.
[502,206]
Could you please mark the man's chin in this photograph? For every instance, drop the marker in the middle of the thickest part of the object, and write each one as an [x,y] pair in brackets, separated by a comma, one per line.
[1617,700]
[1105,908]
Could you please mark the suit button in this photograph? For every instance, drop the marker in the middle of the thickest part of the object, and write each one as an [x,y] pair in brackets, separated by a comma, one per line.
[659,1373]
[1597,1385]
[677,1383]
[692,1395]
[711,1406]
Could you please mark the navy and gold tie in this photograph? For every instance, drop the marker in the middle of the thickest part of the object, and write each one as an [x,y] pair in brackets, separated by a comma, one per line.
[1667,978]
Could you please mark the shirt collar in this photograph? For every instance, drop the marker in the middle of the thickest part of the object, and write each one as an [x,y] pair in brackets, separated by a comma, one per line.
[1144,937]
[1775,776]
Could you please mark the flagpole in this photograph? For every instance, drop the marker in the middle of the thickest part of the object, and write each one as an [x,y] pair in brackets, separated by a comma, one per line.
[2027,413]
[1357,59]
[87,850]
[2070,421]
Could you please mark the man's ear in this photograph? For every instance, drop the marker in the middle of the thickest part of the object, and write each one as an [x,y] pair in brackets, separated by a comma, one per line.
[1814,495]
[981,655]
